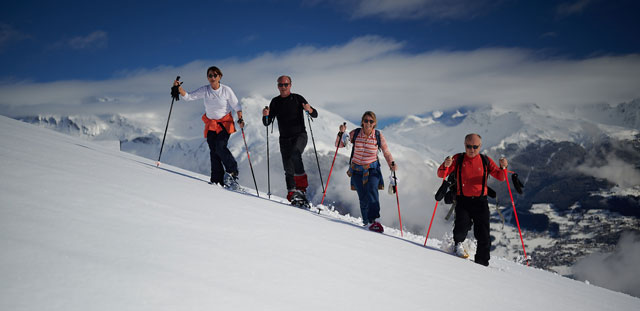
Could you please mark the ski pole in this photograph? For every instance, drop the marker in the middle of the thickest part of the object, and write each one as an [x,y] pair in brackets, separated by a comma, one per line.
[268,169]
[173,97]
[516,214]
[432,217]
[334,161]
[395,186]
[249,158]
[316,151]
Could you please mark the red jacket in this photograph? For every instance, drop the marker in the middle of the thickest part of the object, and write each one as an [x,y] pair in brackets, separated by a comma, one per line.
[472,173]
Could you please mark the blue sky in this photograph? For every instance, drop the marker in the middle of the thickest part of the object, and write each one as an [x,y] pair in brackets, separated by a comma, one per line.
[396,57]
[68,40]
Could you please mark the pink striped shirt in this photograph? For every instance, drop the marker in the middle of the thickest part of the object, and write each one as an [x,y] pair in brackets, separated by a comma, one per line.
[366,148]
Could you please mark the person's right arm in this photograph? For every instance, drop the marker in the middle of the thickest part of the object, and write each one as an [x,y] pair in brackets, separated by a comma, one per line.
[268,114]
[340,139]
[197,94]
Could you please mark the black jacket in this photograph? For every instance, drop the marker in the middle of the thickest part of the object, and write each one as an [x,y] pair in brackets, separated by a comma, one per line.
[289,113]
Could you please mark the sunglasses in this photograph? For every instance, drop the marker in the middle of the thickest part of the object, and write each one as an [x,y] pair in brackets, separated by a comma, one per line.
[213,75]
[283,84]
[473,146]
[368,121]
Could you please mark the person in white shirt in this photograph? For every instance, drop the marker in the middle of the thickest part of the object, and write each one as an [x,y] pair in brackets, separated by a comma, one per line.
[219,101]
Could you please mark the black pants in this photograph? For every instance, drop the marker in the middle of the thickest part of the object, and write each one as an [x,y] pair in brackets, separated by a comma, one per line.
[291,149]
[220,155]
[474,209]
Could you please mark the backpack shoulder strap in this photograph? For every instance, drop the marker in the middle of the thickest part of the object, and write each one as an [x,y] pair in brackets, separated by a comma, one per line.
[459,159]
[356,132]
[485,173]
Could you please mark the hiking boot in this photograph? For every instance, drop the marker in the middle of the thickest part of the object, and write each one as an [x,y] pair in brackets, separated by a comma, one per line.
[289,195]
[231,181]
[460,252]
[376,227]
[299,199]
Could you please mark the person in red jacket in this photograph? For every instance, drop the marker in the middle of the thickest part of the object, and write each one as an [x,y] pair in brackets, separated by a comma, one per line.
[472,170]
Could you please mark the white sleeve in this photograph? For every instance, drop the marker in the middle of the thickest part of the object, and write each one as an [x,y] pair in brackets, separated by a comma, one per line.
[197,94]
[233,101]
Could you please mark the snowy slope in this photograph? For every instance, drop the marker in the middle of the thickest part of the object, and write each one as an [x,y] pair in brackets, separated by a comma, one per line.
[418,143]
[84,227]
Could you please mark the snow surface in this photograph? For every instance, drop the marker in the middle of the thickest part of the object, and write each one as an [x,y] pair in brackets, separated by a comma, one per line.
[86,227]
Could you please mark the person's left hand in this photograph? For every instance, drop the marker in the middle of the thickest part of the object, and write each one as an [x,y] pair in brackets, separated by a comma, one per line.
[307,107]
[241,123]
[503,163]
[394,166]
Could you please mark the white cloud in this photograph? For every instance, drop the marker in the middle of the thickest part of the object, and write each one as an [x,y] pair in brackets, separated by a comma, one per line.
[571,8]
[413,9]
[95,40]
[618,270]
[615,170]
[9,34]
[367,73]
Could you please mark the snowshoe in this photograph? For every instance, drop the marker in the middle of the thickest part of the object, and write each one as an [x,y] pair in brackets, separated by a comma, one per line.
[299,199]
[460,251]
[231,182]
[376,227]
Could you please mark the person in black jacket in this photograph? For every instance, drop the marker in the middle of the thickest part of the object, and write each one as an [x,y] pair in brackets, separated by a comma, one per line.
[288,108]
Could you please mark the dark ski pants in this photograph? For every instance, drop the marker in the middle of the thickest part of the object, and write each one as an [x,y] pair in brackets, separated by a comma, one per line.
[220,155]
[473,210]
[291,149]
[368,194]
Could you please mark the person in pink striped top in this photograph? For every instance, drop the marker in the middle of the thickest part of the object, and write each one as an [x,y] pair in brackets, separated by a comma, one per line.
[364,168]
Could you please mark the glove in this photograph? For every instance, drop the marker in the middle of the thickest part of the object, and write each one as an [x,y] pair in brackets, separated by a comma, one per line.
[175,92]
[345,139]
[392,185]
[516,183]
[442,190]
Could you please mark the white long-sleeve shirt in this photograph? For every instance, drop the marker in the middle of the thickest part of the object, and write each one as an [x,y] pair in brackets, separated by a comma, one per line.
[217,103]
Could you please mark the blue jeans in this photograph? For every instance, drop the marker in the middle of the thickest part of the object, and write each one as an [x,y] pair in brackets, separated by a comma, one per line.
[368,193]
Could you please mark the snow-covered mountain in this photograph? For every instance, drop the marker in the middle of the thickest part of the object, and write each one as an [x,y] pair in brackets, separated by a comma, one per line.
[84,226]
[581,152]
